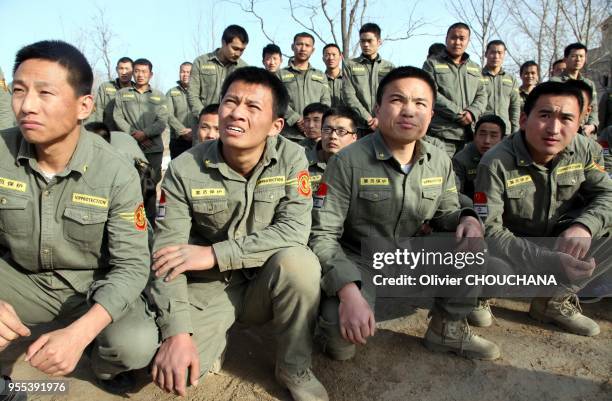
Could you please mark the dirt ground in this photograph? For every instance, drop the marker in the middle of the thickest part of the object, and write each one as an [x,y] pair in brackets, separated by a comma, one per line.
[538,362]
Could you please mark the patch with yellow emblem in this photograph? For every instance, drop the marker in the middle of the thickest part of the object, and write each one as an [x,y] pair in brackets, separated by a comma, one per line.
[140,218]
[303,183]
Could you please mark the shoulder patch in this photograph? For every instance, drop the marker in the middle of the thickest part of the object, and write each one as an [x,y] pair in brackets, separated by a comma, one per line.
[140,218]
[303,183]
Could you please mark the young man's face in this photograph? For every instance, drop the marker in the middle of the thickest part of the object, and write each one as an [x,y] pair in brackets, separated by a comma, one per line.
[551,126]
[405,111]
[576,60]
[46,107]
[369,44]
[208,127]
[487,136]
[272,62]
[184,74]
[312,125]
[331,57]
[142,74]
[333,142]
[246,117]
[495,56]
[530,76]
[559,69]
[124,72]
[233,50]
[302,48]
[457,41]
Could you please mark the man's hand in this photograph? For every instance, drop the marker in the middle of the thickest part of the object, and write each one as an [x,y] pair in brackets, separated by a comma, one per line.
[469,227]
[139,136]
[186,134]
[11,327]
[576,269]
[176,259]
[588,129]
[300,125]
[466,118]
[175,355]
[58,352]
[356,317]
[574,241]
[373,123]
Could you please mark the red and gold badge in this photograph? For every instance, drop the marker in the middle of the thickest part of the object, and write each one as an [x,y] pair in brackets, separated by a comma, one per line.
[140,218]
[303,183]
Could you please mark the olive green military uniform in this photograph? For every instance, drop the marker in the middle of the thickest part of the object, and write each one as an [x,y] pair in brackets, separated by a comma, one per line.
[304,87]
[368,195]
[504,98]
[525,199]
[7,118]
[105,104]
[360,83]
[523,96]
[316,166]
[127,146]
[335,89]
[593,118]
[460,87]
[258,228]
[77,239]
[207,76]
[179,118]
[308,143]
[465,163]
[605,139]
[605,109]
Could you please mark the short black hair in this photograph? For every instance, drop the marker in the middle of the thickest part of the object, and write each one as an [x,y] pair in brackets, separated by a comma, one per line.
[210,109]
[405,72]
[492,119]
[458,25]
[582,87]
[271,49]
[235,31]
[528,64]
[80,75]
[315,108]
[303,35]
[184,63]
[558,62]
[343,111]
[436,49]
[574,46]
[144,61]
[255,75]
[125,59]
[371,28]
[552,88]
[495,42]
[100,129]
[327,46]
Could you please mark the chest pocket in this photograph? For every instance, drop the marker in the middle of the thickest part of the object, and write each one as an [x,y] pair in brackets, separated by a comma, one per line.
[265,203]
[521,201]
[375,203]
[15,218]
[84,226]
[429,201]
[568,185]
[382,73]
[211,215]
[208,73]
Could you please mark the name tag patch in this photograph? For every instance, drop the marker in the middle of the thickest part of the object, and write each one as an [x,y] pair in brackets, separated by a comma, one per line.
[278,180]
[7,183]
[426,182]
[207,192]
[518,181]
[364,181]
[89,200]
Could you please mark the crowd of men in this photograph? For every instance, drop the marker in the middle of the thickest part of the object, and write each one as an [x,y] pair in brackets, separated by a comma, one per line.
[278,176]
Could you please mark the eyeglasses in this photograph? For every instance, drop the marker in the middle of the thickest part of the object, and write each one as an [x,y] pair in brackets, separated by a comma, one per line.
[339,131]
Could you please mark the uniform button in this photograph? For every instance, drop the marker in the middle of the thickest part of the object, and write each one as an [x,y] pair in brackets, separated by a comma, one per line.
[86,217]
[573,181]
[271,196]
[375,196]
[3,201]
[45,251]
[46,193]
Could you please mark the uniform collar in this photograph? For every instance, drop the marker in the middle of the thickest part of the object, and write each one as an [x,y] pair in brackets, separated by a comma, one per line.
[465,58]
[180,87]
[339,76]
[521,152]
[486,71]
[133,89]
[118,86]
[213,157]
[473,152]
[78,163]
[313,155]
[382,152]
[291,67]
[363,59]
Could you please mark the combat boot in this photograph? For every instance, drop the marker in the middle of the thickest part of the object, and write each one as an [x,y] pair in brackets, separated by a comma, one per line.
[565,312]
[304,386]
[445,335]
[481,315]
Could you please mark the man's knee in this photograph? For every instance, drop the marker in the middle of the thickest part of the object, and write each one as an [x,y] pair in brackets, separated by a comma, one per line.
[298,269]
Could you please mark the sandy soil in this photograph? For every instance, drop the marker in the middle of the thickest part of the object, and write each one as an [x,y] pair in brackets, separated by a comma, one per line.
[538,362]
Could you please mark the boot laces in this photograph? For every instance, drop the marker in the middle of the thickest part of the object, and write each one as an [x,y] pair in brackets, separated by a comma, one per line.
[570,306]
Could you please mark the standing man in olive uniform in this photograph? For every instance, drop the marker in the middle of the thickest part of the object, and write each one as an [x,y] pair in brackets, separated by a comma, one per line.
[73,235]
[530,76]
[105,95]
[575,58]
[180,119]
[575,207]
[332,57]
[558,68]
[142,112]
[339,129]
[209,70]
[503,88]
[232,242]
[367,189]
[7,119]
[462,90]
[362,75]
[304,83]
